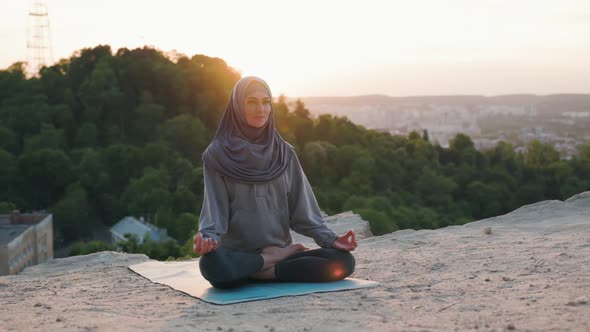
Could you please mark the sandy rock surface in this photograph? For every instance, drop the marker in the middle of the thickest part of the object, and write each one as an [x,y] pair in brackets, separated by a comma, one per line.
[529,272]
[339,223]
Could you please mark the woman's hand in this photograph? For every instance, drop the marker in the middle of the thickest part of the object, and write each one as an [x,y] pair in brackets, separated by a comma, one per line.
[203,246]
[345,242]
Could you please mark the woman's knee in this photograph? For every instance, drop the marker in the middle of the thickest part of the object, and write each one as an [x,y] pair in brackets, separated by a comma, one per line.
[345,257]
[348,262]
[214,268]
[345,261]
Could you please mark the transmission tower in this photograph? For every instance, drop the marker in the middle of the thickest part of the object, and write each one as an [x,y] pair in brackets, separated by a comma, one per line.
[39,48]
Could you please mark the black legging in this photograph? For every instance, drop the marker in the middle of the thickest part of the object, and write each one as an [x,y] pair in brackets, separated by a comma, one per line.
[225,268]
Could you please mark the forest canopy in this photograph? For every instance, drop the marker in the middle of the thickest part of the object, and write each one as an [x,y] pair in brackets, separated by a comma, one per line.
[103,135]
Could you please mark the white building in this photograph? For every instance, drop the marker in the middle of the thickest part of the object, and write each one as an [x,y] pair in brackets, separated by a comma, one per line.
[139,228]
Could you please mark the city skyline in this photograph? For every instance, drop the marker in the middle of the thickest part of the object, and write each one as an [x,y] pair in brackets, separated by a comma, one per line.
[341,48]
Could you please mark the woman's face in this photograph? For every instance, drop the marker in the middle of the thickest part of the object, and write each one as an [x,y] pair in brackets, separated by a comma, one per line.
[257,108]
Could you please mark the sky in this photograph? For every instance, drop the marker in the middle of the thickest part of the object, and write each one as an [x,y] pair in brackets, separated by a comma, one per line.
[340,48]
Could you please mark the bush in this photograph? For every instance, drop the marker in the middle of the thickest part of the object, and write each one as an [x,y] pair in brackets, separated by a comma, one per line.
[379,222]
[85,248]
[7,207]
[153,249]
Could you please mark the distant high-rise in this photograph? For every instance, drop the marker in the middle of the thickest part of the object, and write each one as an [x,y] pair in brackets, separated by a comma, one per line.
[39,38]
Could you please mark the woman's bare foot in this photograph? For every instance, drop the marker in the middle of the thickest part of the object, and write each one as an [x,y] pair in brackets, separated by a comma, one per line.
[272,255]
[280,254]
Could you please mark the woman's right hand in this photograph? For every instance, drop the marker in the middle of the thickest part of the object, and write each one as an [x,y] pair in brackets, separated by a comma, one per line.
[203,246]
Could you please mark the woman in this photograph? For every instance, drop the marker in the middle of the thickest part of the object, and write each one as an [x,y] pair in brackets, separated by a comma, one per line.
[255,191]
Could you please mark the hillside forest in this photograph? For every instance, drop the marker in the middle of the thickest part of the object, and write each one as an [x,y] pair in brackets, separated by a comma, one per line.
[104,135]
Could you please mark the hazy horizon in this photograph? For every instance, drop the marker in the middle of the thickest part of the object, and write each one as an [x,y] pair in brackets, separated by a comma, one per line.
[341,48]
[437,95]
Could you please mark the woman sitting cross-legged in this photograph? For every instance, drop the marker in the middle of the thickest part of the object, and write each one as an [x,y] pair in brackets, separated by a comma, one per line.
[255,192]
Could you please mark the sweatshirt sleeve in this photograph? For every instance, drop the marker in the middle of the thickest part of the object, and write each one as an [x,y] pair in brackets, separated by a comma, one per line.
[304,213]
[214,217]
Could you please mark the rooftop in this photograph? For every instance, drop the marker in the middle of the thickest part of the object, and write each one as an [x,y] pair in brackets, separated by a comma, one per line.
[132,225]
[9,232]
[14,224]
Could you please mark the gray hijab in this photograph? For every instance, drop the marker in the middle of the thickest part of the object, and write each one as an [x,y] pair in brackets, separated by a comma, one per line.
[243,153]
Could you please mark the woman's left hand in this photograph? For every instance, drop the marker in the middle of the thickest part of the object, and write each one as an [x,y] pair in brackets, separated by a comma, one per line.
[345,242]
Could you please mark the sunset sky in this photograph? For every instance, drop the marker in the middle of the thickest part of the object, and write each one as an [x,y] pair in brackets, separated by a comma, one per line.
[340,48]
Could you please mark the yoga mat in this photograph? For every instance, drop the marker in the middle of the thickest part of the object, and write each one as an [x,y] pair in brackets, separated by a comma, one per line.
[185,276]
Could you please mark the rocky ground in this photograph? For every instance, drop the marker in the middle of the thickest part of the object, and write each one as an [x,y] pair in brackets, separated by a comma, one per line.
[528,270]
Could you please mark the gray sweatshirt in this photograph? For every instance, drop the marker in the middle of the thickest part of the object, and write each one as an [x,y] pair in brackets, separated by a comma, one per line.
[248,217]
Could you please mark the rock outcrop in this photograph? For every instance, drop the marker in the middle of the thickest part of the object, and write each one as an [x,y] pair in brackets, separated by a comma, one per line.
[339,223]
[526,270]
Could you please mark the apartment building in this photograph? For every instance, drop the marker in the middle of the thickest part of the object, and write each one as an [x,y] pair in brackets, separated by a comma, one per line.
[25,239]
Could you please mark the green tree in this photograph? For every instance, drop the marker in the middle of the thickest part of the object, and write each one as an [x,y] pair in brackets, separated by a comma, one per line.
[484,200]
[183,200]
[48,138]
[44,175]
[85,248]
[131,245]
[405,217]
[503,155]
[380,223]
[302,124]
[187,135]
[148,116]
[426,218]
[8,140]
[380,203]
[315,158]
[101,96]
[540,154]
[153,249]
[149,195]
[530,193]
[463,149]
[7,207]
[355,202]
[184,226]
[160,250]
[122,162]
[8,174]
[573,185]
[86,135]
[425,135]
[24,117]
[12,81]
[300,110]
[435,190]
[71,214]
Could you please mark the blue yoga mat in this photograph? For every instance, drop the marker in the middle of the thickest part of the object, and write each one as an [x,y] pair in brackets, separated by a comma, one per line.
[186,277]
